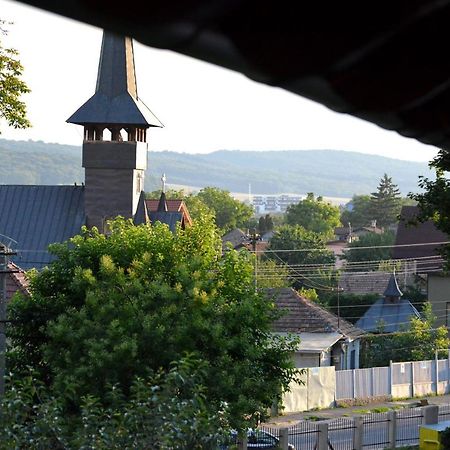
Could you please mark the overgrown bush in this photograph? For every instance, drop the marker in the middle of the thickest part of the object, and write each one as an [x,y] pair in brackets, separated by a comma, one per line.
[165,411]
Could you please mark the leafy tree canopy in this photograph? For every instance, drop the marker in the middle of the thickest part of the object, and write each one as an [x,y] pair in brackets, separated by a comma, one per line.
[402,346]
[299,246]
[229,213]
[12,87]
[314,214]
[434,201]
[358,254]
[360,214]
[386,202]
[139,299]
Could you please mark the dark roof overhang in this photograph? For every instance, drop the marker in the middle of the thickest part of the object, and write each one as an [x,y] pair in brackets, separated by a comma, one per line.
[382,61]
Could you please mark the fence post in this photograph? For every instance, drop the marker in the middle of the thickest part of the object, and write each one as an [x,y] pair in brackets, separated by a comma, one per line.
[430,414]
[284,438]
[354,382]
[448,373]
[322,439]
[437,372]
[412,379]
[391,380]
[242,441]
[392,432]
[372,384]
[358,421]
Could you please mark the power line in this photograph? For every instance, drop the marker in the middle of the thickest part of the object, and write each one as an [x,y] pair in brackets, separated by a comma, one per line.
[355,248]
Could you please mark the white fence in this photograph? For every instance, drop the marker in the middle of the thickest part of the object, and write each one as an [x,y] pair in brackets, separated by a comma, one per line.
[399,380]
[323,386]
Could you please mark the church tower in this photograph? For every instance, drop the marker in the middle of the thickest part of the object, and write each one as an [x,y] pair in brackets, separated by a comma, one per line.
[115,145]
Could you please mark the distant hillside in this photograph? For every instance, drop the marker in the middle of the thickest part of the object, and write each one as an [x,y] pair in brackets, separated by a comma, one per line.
[324,172]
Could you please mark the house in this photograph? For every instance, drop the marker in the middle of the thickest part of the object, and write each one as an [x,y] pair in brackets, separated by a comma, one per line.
[236,238]
[364,282]
[350,234]
[418,244]
[438,289]
[170,212]
[390,313]
[16,281]
[114,155]
[325,339]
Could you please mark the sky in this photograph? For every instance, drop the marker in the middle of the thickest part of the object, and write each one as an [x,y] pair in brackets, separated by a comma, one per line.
[203,107]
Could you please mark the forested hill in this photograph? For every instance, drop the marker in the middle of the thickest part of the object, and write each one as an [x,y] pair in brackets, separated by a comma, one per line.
[324,172]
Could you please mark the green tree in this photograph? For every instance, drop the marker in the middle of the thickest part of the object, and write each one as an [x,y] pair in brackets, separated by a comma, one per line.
[315,215]
[357,251]
[360,215]
[270,274]
[172,403]
[229,213]
[265,224]
[402,346]
[139,299]
[12,87]
[294,245]
[386,202]
[434,200]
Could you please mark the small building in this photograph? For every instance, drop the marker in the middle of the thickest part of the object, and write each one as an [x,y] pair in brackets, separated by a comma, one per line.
[438,287]
[418,243]
[325,339]
[390,313]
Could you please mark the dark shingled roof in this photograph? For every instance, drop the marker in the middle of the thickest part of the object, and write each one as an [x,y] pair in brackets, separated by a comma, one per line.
[236,237]
[422,233]
[301,315]
[392,289]
[394,316]
[382,61]
[115,100]
[36,216]
[169,218]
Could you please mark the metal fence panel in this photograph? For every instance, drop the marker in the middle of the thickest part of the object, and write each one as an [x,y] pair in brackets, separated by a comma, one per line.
[341,433]
[443,369]
[304,435]
[401,373]
[381,382]
[408,421]
[423,371]
[363,381]
[344,384]
[444,413]
[376,430]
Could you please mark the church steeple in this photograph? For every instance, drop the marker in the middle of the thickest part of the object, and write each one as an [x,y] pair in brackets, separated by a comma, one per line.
[115,104]
[115,124]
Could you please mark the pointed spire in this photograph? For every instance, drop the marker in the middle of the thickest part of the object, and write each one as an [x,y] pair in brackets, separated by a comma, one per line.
[115,100]
[392,289]
[141,215]
[162,205]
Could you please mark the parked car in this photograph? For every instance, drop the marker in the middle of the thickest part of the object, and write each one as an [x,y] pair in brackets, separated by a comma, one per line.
[256,439]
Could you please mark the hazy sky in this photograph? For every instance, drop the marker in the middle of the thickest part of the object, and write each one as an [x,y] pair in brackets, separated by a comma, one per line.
[203,107]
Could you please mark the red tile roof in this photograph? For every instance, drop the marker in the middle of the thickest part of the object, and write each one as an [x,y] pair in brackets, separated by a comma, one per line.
[300,315]
[174,205]
[16,281]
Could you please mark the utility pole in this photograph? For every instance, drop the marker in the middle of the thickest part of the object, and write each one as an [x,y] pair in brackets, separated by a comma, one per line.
[5,253]
[256,258]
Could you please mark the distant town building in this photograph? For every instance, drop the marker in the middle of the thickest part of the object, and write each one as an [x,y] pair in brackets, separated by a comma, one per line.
[274,203]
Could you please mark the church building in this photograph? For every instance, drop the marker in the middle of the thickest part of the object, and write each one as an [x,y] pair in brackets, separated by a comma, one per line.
[114,155]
